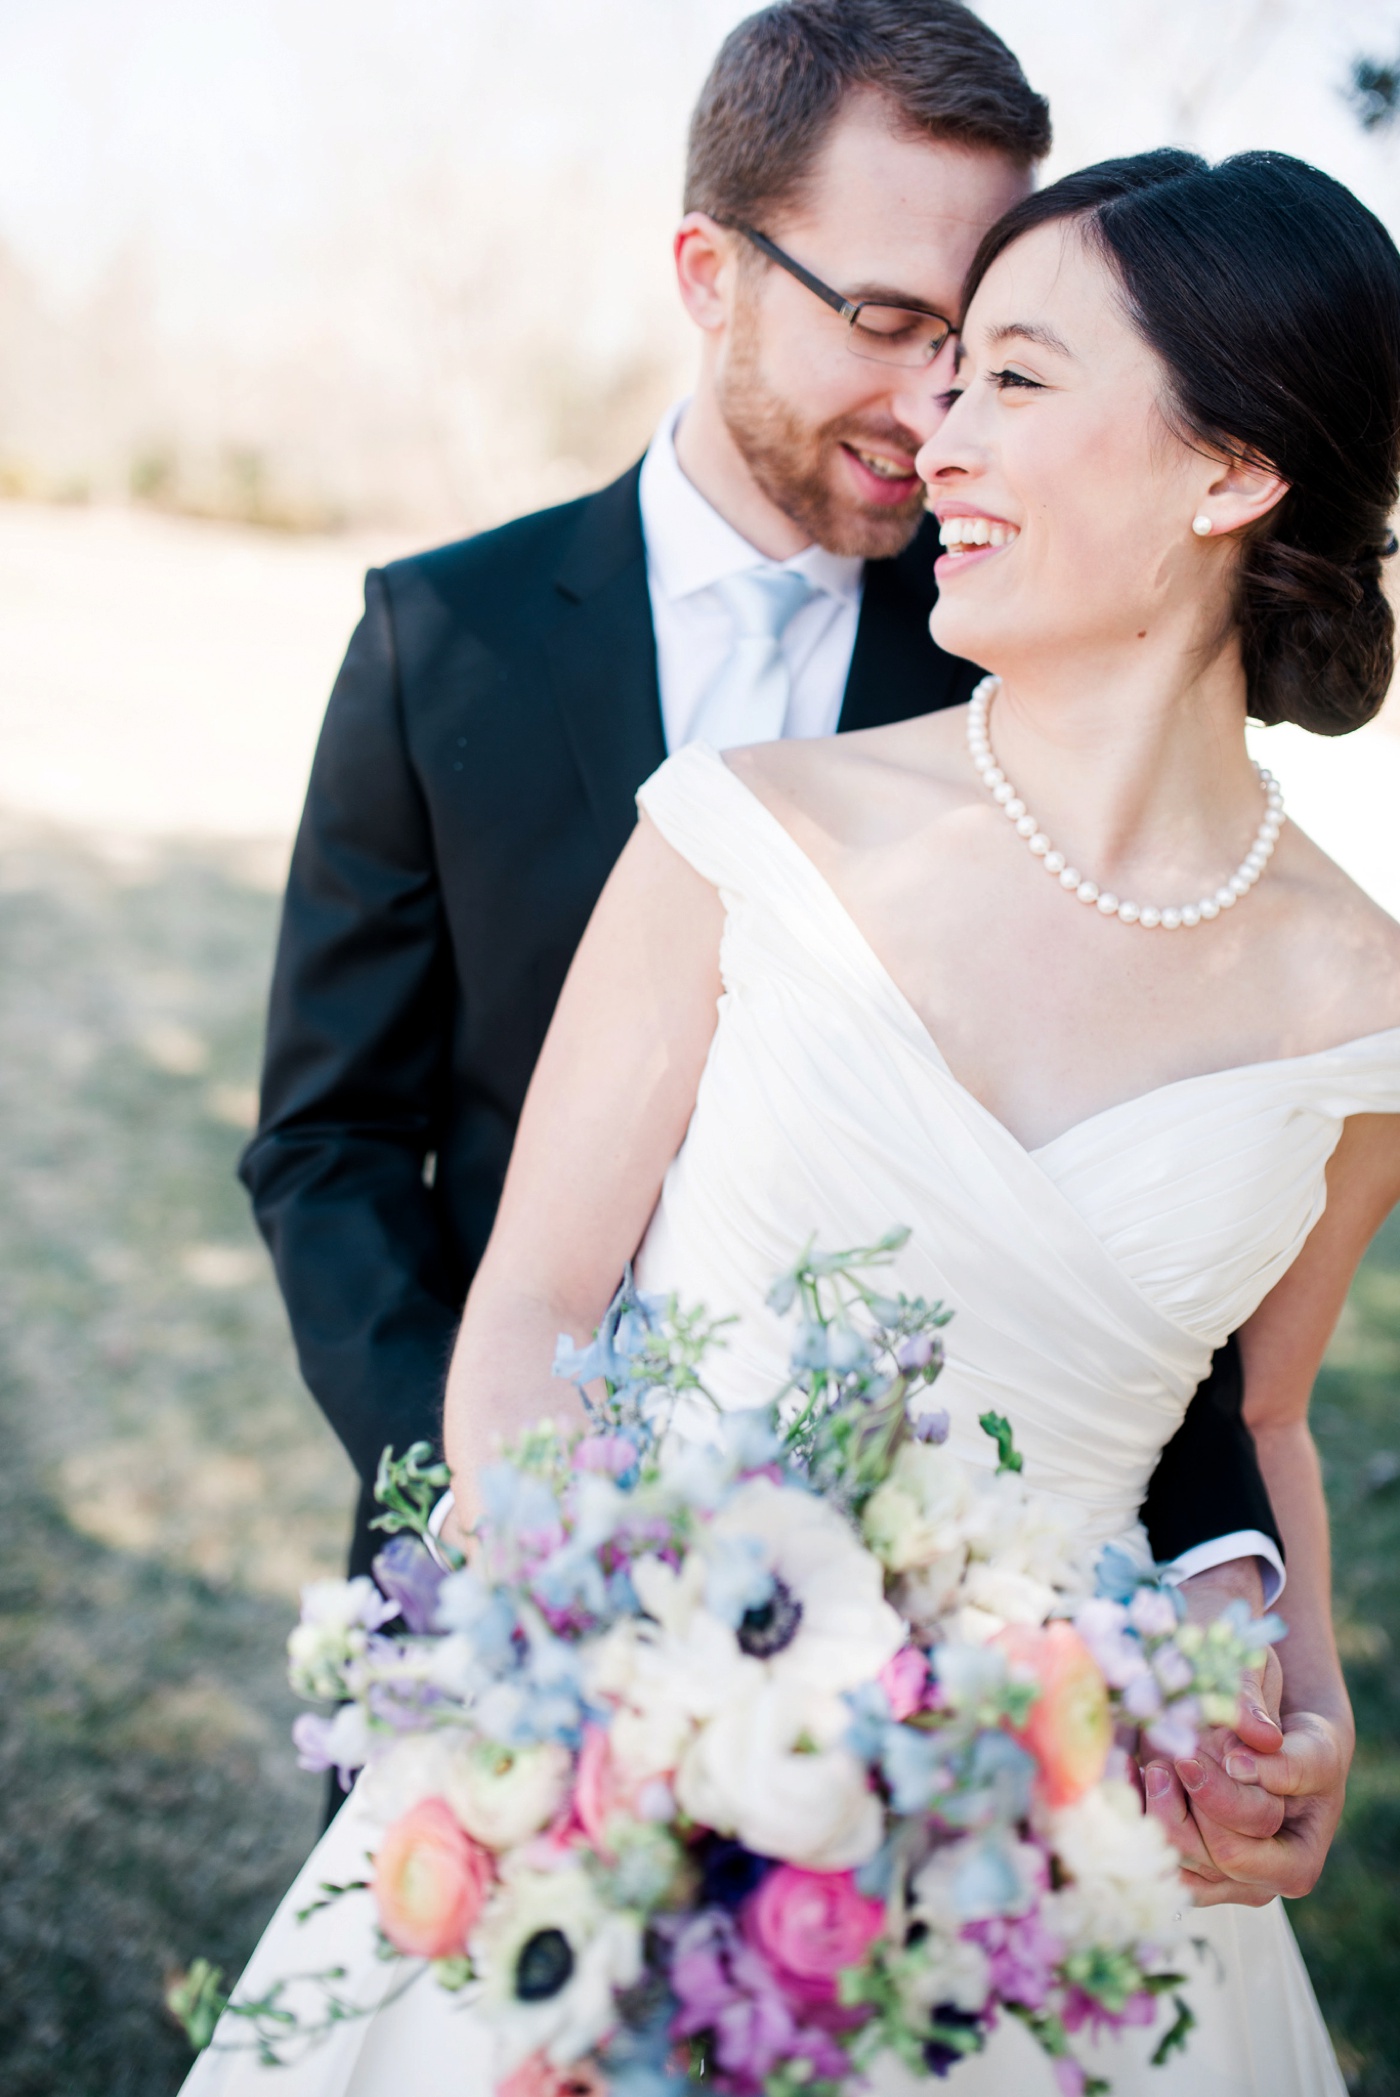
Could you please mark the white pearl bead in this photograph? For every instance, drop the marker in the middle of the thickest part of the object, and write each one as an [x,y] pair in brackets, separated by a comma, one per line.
[1108,905]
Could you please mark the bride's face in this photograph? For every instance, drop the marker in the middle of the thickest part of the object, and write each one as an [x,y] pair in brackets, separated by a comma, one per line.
[1058,453]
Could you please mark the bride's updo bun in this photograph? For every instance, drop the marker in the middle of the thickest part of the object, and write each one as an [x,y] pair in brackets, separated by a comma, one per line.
[1272,298]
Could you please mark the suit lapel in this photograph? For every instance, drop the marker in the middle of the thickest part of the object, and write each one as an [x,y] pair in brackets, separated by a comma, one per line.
[897,669]
[601,652]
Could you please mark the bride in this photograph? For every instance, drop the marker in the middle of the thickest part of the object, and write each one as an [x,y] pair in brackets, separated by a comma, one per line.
[1129,1101]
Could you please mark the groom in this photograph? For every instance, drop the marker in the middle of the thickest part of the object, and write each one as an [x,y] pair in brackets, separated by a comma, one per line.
[766,570]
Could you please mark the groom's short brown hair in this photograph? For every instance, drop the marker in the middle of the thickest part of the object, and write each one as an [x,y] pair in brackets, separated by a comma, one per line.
[782,75]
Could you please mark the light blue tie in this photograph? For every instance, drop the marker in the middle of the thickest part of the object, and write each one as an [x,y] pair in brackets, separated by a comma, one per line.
[748,701]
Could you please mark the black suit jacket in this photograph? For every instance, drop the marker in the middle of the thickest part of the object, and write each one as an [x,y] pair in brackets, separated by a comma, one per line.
[474,781]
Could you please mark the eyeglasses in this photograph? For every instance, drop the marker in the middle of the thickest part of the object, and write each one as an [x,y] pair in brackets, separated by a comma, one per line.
[883,334]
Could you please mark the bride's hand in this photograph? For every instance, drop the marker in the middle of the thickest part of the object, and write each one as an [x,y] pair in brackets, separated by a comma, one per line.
[1250,1824]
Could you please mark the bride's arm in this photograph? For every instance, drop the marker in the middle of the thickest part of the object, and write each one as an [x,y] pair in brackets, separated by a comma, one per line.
[605,1114]
[1282,1347]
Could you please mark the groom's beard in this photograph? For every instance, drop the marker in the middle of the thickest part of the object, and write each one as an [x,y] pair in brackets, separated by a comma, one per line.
[798,466]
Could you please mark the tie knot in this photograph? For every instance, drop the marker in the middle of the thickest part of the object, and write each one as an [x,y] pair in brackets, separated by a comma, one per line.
[762,600]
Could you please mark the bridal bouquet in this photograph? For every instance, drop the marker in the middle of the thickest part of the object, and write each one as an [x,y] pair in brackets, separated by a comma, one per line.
[754,1757]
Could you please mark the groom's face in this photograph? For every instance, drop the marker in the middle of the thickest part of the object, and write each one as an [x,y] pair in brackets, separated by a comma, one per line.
[831,437]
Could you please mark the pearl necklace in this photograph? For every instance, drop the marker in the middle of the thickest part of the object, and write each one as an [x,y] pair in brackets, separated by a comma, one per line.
[1105,902]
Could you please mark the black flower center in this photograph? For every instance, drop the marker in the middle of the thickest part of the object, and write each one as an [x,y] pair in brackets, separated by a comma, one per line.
[545,1965]
[766,1630]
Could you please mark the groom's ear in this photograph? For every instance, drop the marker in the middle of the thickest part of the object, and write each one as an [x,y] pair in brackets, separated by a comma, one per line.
[707,266]
[1241,491]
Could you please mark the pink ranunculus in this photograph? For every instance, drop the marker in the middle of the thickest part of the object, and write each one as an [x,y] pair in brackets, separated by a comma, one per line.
[430,1881]
[538,2077]
[541,2079]
[598,1793]
[904,1680]
[810,1926]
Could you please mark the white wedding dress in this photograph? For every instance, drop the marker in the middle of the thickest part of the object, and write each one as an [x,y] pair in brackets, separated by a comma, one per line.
[1091,1279]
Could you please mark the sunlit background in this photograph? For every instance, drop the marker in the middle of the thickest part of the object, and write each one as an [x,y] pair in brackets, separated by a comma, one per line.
[288,286]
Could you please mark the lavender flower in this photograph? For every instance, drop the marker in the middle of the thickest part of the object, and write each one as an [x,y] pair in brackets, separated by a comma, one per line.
[408,1576]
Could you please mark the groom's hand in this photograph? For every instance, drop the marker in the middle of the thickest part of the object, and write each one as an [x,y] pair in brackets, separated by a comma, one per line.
[1250,1824]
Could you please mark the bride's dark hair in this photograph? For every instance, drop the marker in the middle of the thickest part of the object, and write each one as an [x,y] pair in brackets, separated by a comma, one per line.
[1272,298]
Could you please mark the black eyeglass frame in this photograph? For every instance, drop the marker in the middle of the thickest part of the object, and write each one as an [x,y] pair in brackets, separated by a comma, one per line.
[850,310]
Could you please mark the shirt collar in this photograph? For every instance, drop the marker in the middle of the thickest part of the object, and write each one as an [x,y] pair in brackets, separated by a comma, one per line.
[689,545]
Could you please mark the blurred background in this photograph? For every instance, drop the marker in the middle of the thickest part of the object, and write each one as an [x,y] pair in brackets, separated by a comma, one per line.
[286,287]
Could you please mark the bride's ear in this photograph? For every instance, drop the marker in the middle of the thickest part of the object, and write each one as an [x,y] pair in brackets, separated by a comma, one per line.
[1241,491]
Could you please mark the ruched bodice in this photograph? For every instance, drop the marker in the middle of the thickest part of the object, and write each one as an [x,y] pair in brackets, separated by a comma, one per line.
[1091,1280]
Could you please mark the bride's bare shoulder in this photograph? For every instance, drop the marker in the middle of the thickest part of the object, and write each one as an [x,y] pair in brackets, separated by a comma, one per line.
[1348,946]
[862,787]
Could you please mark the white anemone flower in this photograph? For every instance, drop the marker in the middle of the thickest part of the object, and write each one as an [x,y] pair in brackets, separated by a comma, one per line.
[827,1626]
[552,1957]
[771,1769]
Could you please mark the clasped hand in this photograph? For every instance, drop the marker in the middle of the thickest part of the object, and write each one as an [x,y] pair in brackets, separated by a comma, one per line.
[1254,1810]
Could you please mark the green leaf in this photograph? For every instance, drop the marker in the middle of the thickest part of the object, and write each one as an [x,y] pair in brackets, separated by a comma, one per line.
[1175,2040]
[999,1428]
[196,2001]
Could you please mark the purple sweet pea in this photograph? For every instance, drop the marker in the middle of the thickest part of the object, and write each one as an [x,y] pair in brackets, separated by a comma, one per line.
[724,1986]
[1022,1954]
[406,1574]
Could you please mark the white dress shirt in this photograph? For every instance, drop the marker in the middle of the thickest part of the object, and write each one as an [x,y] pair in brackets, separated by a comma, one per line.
[689,548]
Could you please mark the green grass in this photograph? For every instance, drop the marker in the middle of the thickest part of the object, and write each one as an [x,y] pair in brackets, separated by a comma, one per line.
[166,1484]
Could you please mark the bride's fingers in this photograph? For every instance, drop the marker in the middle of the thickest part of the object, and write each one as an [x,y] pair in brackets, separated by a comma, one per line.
[1169,1805]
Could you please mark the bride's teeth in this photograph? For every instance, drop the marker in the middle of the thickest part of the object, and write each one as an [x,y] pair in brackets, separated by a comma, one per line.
[976,531]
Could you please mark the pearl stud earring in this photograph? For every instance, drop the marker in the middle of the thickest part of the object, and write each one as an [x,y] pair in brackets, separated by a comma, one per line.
[1201,526]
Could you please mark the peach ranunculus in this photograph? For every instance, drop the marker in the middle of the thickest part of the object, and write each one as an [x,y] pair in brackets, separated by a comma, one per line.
[430,1881]
[538,2077]
[810,1926]
[1070,1728]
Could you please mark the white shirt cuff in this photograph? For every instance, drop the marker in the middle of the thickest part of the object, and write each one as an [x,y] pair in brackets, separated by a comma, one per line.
[445,1505]
[1241,1543]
